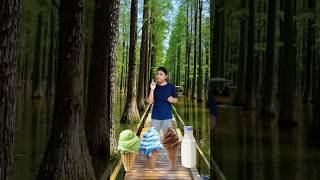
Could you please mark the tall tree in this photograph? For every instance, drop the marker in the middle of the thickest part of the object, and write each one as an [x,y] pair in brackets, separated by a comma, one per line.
[310,55]
[188,53]
[194,78]
[130,112]
[99,119]
[143,59]
[239,96]
[67,155]
[218,34]
[316,110]
[10,11]
[44,50]
[36,73]
[51,58]
[268,106]
[287,70]
[249,100]
[200,79]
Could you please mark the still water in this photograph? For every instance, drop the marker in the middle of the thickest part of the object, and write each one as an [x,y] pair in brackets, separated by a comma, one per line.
[246,146]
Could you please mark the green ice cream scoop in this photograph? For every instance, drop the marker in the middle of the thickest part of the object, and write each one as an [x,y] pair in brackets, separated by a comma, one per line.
[128,142]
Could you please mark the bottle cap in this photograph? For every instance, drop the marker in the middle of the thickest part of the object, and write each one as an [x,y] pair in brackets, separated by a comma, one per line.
[188,129]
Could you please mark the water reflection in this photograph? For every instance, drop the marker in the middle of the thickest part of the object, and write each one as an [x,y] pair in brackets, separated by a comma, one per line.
[246,146]
[250,147]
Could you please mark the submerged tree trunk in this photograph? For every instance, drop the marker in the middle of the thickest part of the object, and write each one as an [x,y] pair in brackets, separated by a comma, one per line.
[287,88]
[268,106]
[36,73]
[249,100]
[239,96]
[130,112]
[143,59]
[67,155]
[9,36]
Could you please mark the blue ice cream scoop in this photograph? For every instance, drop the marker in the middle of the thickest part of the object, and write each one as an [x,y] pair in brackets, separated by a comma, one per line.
[150,142]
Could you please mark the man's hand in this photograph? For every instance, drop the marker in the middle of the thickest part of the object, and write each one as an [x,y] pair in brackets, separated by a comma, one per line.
[171,99]
[212,122]
[153,85]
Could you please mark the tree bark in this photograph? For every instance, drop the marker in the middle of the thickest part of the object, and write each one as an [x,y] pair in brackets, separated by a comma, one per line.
[239,96]
[287,88]
[250,67]
[67,155]
[143,59]
[268,106]
[9,36]
[130,112]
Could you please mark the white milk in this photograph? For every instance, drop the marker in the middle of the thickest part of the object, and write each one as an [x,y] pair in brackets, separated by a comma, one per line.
[188,148]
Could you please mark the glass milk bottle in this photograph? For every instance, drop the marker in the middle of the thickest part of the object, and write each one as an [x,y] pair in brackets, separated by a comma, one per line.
[188,148]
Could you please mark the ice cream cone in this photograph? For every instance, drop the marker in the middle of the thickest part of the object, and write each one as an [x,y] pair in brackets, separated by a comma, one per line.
[128,160]
[172,155]
[153,159]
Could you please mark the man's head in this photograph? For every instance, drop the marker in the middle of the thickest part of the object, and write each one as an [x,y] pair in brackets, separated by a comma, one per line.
[162,74]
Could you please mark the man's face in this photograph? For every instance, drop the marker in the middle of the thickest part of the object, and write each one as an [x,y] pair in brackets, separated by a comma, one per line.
[161,76]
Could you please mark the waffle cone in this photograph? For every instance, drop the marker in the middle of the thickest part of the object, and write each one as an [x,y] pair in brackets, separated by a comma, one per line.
[128,160]
[153,159]
[172,156]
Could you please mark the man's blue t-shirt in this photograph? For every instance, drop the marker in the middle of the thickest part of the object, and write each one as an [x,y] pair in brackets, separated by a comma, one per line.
[162,108]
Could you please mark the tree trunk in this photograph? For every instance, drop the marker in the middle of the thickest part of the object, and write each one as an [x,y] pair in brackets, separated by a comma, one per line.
[67,155]
[194,77]
[130,112]
[200,79]
[249,100]
[36,73]
[9,36]
[122,64]
[316,110]
[239,96]
[309,54]
[287,88]
[112,91]
[187,53]
[268,106]
[51,60]
[101,82]
[143,59]
[207,69]
[44,51]
[178,78]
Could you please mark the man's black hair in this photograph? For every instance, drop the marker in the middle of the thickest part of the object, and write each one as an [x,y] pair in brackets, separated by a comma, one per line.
[163,69]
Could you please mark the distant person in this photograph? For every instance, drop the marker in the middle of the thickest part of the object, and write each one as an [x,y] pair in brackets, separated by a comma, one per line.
[162,94]
[225,91]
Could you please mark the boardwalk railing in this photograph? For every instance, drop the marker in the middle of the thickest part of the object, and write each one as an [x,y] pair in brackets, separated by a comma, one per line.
[118,167]
[216,168]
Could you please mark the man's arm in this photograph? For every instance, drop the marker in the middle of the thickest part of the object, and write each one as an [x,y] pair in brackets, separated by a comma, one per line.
[150,98]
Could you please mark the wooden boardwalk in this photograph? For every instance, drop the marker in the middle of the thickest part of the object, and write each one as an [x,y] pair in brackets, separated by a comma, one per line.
[163,168]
